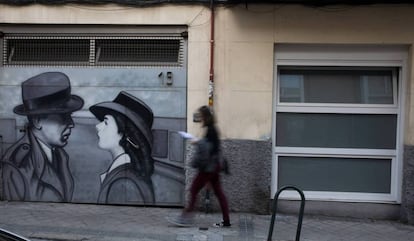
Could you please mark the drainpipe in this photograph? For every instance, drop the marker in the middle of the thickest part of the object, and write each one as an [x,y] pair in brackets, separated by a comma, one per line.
[211,79]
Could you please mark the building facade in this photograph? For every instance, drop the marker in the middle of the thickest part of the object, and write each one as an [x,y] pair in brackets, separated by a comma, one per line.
[313,96]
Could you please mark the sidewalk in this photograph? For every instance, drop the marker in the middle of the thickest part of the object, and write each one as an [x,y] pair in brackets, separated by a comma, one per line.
[81,222]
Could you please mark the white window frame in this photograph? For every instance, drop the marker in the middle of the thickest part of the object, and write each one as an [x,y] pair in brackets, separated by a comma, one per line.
[343,56]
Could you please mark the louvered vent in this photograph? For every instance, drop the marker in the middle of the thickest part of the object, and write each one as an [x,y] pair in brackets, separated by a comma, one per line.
[93,51]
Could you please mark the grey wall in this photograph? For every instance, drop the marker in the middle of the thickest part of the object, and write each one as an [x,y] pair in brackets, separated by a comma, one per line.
[407,205]
[248,186]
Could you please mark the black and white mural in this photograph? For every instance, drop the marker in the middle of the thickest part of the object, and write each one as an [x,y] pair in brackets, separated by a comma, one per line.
[125,131]
[36,167]
[107,144]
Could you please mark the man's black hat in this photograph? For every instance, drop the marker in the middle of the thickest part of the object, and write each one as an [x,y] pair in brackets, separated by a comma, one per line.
[48,93]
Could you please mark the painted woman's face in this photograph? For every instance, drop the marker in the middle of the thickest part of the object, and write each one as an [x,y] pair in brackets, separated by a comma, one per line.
[108,133]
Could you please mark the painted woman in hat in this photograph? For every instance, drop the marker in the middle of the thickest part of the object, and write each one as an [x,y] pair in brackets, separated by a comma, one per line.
[125,131]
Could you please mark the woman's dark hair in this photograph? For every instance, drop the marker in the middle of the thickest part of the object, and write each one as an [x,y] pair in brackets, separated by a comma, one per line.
[207,116]
[136,146]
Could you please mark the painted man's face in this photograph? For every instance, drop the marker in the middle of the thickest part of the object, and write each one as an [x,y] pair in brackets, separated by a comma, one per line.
[108,133]
[56,129]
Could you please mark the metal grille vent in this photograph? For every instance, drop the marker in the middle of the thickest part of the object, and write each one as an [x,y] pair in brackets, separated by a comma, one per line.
[139,51]
[93,51]
[47,51]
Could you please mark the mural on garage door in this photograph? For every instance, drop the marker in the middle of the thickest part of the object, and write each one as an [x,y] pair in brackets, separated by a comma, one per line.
[99,145]
[125,131]
[36,167]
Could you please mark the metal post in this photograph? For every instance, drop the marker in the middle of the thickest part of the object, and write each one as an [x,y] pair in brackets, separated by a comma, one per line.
[274,210]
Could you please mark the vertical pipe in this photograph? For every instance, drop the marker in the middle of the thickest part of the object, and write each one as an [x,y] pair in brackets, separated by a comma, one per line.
[211,79]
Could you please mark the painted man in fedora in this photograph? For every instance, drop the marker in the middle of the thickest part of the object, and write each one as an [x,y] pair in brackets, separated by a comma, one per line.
[36,168]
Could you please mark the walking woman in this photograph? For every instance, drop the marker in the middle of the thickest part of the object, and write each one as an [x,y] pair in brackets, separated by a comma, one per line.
[125,131]
[208,173]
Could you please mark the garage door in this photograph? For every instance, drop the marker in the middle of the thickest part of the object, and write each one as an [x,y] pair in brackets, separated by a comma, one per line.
[91,115]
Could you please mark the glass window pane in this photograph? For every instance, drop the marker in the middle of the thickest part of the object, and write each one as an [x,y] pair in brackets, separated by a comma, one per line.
[335,174]
[333,85]
[372,131]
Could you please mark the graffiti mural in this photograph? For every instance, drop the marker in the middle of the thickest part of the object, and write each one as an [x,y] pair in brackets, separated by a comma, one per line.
[100,145]
[36,167]
[125,131]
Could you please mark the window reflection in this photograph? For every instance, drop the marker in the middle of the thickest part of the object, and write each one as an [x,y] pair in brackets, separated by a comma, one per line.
[336,85]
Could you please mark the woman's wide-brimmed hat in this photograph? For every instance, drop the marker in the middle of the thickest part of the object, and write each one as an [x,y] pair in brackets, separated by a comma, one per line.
[132,108]
[48,93]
